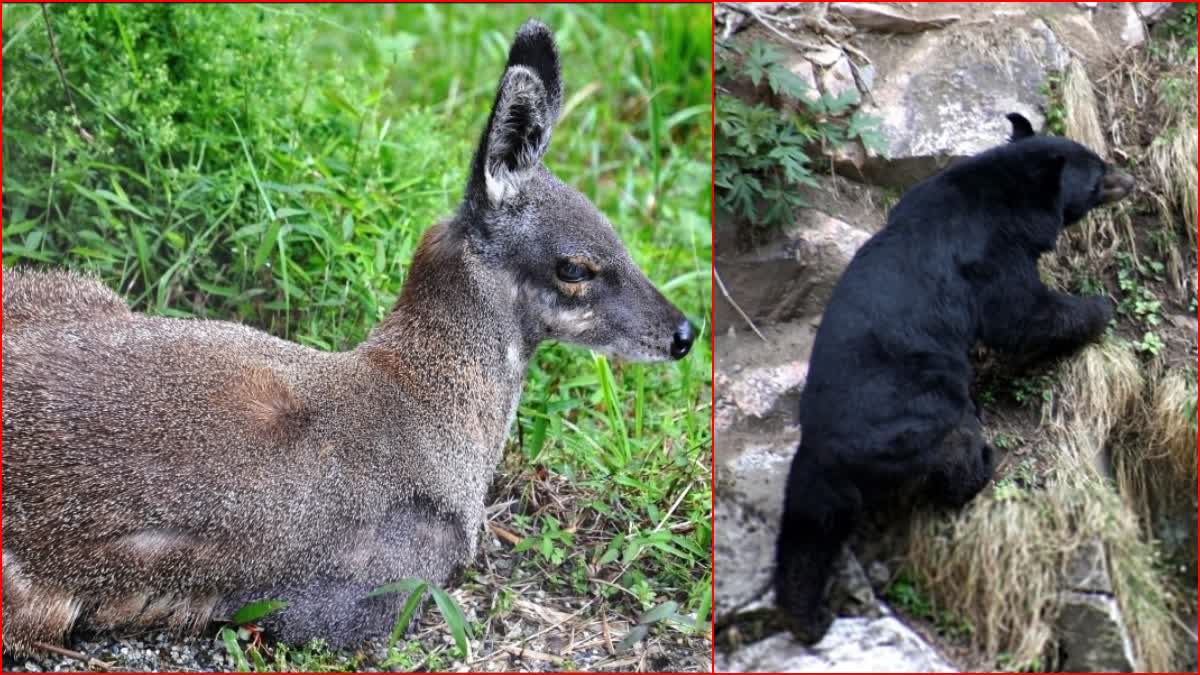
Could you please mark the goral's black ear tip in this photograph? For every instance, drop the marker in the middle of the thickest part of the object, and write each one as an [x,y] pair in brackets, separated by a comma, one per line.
[534,27]
[534,37]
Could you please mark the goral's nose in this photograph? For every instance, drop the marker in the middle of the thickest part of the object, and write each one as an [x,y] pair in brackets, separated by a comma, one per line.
[681,344]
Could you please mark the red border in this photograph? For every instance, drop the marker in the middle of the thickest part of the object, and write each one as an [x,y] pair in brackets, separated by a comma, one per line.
[712,216]
[712,335]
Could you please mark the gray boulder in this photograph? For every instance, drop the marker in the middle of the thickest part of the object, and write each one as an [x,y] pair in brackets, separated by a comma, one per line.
[854,645]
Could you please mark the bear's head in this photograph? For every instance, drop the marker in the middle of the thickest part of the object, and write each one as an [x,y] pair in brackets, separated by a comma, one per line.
[1085,180]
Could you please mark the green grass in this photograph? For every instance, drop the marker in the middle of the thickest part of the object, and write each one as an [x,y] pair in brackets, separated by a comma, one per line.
[277,164]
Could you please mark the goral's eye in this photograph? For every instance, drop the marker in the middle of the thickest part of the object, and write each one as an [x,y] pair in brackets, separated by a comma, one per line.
[571,272]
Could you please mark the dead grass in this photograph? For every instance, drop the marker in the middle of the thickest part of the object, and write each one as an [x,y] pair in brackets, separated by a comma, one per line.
[1103,391]
[1155,461]
[1000,563]
[534,619]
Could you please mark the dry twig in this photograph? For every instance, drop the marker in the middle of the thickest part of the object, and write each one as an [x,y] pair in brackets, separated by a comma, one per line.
[72,654]
[62,76]
[725,292]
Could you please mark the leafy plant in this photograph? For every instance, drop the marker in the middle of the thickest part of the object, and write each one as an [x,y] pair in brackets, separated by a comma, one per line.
[903,592]
[763,152]
[552,543]
[416,589]
[1055,108]
[241,630]
[1032,389]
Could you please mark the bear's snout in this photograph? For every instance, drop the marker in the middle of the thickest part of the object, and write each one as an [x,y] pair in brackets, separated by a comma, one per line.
[1116,185]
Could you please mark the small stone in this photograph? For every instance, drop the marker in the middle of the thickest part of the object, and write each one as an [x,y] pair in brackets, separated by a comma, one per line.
[1152,11]
[838,80]
[866,77]
[825,57]
[803,69]
[879,574]
[852,645]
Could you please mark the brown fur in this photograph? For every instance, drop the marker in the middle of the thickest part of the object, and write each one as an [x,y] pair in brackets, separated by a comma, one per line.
[268,404]
[161,471]
[59,296]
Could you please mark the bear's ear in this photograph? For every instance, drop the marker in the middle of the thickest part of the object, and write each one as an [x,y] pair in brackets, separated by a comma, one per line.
[1021,128]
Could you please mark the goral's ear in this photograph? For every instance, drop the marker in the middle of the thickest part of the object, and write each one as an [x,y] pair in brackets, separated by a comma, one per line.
[523,115]
[1021,128]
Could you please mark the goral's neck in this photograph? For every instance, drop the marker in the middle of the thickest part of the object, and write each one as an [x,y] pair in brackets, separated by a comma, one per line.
[453,343]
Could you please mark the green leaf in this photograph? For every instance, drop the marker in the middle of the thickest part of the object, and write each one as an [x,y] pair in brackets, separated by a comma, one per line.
[265,246]
[402,586]
[758,60]
[459,628]
[253,611]
[415,596]
[786,83]
[614,549]
[663,611]
[702,624]
[635,635]
[229,637]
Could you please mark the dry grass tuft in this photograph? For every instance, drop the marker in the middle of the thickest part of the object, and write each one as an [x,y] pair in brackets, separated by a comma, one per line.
[1171,423]
[1082,121]
[995,566]
[1000,563]
[1172,167]
[1155,460]
[1101,387]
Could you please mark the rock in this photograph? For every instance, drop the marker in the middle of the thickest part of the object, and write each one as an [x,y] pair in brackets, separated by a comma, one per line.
[851,593]
[803,69]
[1087,570]
[885,18]
[758,382]
[749,504]
[791,276]
[838,80]
[1121,25]
[1092,636]
[866,77]
[879,575]
[1153,12]
[1079,34]
[942,96]
[825,57]
[882,645]
[1090,6]
[756,392]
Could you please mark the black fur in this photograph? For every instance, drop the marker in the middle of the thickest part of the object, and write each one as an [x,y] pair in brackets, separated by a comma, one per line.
[887,403]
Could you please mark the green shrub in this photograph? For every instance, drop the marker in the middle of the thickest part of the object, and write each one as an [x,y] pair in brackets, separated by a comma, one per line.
[764,152]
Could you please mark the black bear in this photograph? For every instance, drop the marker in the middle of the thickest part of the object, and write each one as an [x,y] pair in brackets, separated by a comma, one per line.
[887,404]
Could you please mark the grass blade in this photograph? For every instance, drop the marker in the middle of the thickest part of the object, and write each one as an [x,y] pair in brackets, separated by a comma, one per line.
[459,628]
[229,637]
[406,614]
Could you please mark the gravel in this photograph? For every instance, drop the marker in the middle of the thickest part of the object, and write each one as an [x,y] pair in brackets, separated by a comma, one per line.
[156,651]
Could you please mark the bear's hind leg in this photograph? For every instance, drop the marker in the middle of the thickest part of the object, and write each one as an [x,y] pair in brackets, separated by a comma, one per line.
[820,514]
[965,466]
